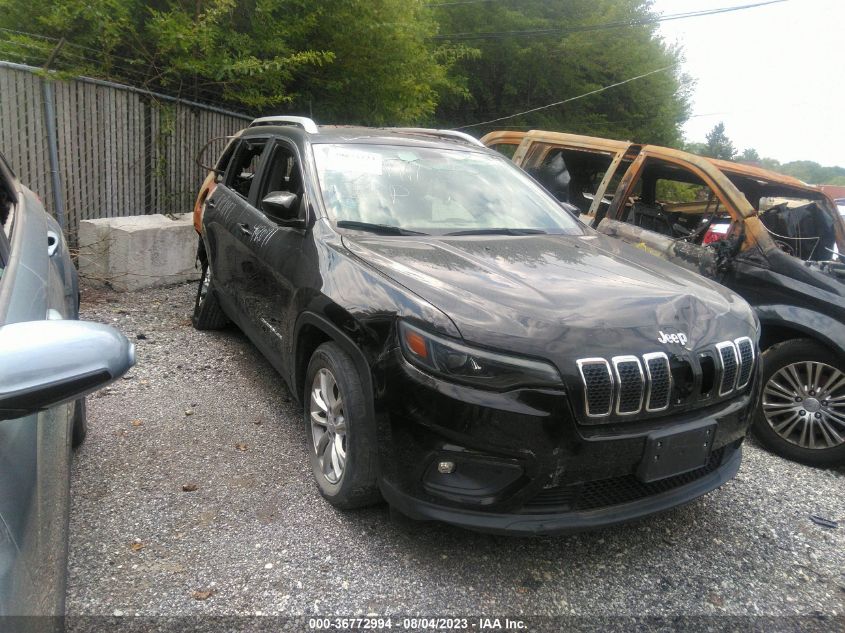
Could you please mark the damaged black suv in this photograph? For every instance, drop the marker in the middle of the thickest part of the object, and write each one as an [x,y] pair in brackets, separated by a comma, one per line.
[461,345]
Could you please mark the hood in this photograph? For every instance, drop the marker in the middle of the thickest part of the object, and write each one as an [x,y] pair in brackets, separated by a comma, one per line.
[545,294]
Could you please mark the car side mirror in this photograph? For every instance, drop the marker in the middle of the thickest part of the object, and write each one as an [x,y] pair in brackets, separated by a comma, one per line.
[47,363]
[283,207]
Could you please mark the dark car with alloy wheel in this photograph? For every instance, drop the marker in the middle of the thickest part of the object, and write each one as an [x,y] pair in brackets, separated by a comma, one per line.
[461,345]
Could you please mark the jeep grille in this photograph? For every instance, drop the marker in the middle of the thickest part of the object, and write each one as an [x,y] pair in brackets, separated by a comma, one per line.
[627,385]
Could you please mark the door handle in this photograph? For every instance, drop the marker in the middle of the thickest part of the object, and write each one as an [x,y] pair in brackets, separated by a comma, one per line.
[244,228]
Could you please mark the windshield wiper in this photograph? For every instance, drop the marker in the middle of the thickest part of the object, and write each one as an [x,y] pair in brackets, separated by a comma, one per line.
[383,229]
[499,231]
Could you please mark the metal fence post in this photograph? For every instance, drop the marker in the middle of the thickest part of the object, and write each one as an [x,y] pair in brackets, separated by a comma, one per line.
[53,149]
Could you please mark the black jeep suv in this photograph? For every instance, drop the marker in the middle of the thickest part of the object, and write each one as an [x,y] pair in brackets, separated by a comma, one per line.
[462,345]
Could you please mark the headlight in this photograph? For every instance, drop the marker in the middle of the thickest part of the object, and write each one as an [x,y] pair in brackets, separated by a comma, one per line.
[479,368]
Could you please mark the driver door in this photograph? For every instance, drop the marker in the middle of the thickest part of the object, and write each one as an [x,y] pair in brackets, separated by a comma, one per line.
[225,227]
[272,257]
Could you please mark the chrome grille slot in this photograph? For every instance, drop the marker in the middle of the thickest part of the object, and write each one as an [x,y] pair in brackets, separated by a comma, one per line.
[659,382]
[729,362]
[631,384]
[598,386]
[746,361]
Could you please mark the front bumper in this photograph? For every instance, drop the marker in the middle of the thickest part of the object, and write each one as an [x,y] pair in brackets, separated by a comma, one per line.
[567,522]
[523,464]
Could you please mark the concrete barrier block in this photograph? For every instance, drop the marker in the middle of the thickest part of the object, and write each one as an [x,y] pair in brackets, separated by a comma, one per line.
[139,251]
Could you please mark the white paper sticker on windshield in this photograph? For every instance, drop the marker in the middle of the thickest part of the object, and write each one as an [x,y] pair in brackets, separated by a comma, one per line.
[353,161]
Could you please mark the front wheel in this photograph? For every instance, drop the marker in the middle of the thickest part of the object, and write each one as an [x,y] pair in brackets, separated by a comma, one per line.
[341,436]
[801,414]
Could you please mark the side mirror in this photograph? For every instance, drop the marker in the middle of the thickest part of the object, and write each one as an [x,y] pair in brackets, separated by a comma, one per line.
[283,207]
[47,363]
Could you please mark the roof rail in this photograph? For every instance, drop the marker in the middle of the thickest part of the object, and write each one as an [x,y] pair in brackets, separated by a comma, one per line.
[447,134]
[304,122]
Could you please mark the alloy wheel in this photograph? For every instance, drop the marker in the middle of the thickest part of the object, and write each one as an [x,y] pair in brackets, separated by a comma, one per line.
[805,404]
[328,425]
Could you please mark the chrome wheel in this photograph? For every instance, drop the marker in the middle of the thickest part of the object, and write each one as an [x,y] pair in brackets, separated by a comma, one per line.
[805,404]
[328,425]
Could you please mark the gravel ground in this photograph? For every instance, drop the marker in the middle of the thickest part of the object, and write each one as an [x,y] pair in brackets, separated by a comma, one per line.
[205,410]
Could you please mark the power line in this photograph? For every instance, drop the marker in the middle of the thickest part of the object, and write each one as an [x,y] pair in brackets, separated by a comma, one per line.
[581,96]
[600,27]
[455,4]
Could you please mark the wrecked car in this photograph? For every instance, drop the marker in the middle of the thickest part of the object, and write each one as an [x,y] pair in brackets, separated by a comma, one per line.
[460,345]
[774,240]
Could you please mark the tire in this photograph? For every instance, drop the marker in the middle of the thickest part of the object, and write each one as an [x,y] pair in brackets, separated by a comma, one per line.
[208,315]
[340,426]
[798,416]
[79,424]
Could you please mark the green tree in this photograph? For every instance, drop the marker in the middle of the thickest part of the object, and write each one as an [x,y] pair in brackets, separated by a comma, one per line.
[813,173]
[515,73]
[807,170]
[386,71]
[355,61]
[718,144]
[749,155]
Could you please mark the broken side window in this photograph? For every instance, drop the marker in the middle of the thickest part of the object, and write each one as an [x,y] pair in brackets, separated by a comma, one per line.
[282,175]
[244,165]
[667,209]
[570,175]
[674,201]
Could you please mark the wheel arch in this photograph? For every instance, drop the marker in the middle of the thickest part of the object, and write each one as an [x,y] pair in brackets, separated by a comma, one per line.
[784,323]
[311,331]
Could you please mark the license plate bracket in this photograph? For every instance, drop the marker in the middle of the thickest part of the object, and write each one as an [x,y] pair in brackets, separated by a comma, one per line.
[676,451]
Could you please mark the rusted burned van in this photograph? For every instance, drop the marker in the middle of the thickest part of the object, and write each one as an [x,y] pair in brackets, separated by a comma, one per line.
[773,239]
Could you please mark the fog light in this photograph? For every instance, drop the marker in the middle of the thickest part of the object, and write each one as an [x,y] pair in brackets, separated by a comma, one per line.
[446,468]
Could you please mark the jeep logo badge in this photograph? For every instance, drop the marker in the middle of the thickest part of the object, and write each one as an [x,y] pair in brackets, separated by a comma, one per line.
[679,338]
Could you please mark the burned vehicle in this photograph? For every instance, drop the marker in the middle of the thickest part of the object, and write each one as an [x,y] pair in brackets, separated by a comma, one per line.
[774,240]
[460,345]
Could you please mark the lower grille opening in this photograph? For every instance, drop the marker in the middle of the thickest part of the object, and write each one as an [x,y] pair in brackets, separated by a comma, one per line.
[614,491]
[683,378]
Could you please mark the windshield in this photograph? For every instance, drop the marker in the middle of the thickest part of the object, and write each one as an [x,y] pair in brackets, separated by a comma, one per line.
[433,191]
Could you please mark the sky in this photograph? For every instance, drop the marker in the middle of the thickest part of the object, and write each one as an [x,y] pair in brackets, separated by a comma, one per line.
[774,74]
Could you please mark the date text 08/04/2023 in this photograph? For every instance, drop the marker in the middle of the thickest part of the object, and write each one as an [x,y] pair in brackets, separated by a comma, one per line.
[418,624]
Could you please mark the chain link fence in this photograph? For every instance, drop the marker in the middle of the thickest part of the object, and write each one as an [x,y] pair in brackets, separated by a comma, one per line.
[96,149]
